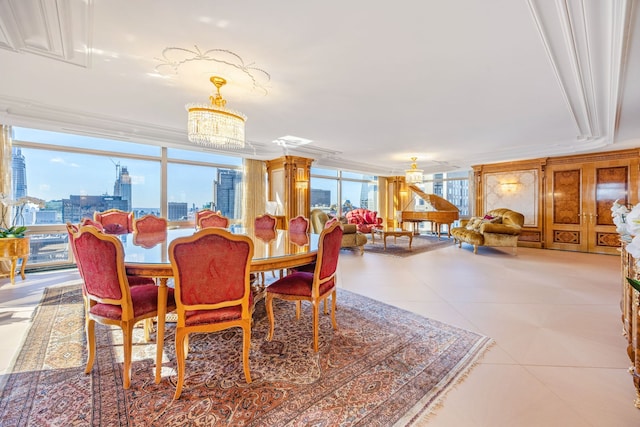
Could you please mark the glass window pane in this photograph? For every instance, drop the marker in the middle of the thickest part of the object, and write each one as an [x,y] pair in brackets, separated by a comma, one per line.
[191,188]
[324,172]
[324,194]
[199,155]
[354,175]
[76,185]
[359,195]
[86,142]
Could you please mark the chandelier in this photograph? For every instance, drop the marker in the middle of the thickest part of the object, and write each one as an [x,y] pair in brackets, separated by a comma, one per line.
[413,175]
[215,125]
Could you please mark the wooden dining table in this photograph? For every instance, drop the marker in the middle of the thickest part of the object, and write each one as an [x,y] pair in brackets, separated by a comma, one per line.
[147,255]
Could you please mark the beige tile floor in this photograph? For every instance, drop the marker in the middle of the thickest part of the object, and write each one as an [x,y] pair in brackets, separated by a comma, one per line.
[559,358]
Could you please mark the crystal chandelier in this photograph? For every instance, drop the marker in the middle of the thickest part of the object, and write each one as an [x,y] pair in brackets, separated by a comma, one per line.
[215,125]
[413,175]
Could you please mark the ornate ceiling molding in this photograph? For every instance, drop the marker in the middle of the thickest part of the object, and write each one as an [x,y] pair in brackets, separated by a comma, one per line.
[57,29]
[586,43]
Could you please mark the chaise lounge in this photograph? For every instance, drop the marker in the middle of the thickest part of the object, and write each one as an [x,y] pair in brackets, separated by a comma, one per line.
[498,227]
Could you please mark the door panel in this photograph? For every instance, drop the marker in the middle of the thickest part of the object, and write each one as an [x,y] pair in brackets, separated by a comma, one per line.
[579,200]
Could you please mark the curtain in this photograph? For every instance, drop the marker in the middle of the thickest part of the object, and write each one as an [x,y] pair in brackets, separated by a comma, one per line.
[255,190]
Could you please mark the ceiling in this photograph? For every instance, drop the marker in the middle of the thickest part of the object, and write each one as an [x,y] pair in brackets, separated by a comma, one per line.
[453,83]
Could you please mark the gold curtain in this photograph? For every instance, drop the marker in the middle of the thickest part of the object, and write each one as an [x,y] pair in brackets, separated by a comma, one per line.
[255,190]
[5,168]
[5,181]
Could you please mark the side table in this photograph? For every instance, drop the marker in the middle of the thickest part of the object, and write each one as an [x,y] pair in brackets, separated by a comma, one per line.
[15,248]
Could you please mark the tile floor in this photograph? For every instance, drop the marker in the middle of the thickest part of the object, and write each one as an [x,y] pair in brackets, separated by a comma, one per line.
[559,358]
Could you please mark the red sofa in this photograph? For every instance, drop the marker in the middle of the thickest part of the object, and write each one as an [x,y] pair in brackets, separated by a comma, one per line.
[364,219]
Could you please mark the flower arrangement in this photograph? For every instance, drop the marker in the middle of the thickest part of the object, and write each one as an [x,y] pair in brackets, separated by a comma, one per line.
[627,223]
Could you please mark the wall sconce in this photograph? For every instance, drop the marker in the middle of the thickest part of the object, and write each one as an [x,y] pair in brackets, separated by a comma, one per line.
[509,187]
[301,180]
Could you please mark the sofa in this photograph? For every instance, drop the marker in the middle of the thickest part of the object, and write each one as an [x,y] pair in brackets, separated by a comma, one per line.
[497,228]
[351,237]
[364,219]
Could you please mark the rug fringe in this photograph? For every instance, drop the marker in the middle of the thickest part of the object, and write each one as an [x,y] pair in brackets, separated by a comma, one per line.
[420,417]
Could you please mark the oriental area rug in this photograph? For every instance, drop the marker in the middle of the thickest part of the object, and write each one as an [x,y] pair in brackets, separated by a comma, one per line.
[382,367]
[400,246]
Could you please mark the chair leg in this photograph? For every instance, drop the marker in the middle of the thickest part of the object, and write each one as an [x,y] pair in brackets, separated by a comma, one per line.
[314,305]
[333,311]
[298,309]
[475,249]
[246,348]
[162,317]
[127,347]
[90,326]
[268,303]
[180,356]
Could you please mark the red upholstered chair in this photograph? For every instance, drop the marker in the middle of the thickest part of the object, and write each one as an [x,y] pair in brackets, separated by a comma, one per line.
[314,287]
[205,212]
[212,289]
[109,298]
[299,224]
[115,221]
[265,222]
[149,224]
[364,219]
[73,229]
[149,231]
[213,220]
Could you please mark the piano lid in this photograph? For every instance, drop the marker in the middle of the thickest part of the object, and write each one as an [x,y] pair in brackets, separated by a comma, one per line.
[434,202]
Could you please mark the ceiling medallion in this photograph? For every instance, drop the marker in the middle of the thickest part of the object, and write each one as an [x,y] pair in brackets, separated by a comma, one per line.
[173,58]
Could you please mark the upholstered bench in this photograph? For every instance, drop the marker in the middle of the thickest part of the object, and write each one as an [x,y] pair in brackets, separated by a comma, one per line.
[498,227]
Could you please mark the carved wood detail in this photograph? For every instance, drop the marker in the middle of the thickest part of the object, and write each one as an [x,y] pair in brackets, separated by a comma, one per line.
[566,197]
[530,236]
[611,184]
[564,236]
[611,240]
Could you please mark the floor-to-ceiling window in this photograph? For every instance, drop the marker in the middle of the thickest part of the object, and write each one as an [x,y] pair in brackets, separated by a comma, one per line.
[338,192]
[76,175]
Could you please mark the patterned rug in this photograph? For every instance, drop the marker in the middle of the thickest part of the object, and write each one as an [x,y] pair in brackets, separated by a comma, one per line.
[383,367]
[400,247]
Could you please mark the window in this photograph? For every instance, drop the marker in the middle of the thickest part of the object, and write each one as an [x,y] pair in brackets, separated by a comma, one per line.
[76,176]
[353,190]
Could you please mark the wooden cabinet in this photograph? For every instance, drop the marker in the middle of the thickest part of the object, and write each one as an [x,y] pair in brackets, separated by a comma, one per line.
[580,192]
[630,306]
[14,248]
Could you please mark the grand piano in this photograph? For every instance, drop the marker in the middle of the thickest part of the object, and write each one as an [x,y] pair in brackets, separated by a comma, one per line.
[438,211]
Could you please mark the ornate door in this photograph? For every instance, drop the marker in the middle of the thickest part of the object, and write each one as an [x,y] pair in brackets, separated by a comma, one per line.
[579,199]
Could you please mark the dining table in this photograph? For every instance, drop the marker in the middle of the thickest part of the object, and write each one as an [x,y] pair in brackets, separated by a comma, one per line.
[147,255]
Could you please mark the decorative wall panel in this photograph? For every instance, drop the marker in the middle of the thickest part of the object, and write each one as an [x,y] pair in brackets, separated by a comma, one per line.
[611,240]
[517,190]
[567,197]
[530,236]
[562,236]
[611,185]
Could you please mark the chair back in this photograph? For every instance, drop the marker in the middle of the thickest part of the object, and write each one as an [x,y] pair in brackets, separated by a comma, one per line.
[72,229]
[213,220]
[299,224]
[211,271]
[115,221]
[265,222]
[150,224]
[205,212]
[100,259]
[328,252]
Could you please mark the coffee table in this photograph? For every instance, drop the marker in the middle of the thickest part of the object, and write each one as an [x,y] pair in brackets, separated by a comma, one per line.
[394,232]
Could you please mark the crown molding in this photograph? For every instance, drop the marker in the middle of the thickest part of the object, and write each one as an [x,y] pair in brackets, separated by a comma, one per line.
[57,29]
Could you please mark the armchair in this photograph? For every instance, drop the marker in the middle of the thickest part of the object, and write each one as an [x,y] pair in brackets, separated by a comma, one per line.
[498,227]
[364,219]
[351,237]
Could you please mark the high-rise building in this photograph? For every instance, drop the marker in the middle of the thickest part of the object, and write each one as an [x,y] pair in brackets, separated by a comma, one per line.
[19,174]
[75,208]
[320,198]
[178,211]
[122,186]
[228,192]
